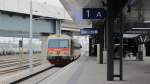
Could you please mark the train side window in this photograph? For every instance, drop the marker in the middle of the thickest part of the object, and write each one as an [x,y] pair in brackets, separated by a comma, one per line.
[77,46]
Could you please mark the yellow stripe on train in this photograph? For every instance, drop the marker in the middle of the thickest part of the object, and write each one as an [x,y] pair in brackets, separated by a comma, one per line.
[59,36]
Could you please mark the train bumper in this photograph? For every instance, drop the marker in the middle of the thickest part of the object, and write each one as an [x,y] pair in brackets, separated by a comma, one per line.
[59,59]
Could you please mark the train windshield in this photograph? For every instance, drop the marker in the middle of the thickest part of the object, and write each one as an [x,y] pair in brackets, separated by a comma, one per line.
[64,44]
[58,43]
[52,43]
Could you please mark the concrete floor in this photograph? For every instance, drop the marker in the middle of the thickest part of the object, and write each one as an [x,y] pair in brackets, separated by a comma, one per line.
[87,71]
[135,72]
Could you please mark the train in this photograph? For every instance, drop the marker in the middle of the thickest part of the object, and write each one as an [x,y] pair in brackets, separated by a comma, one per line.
[62,49]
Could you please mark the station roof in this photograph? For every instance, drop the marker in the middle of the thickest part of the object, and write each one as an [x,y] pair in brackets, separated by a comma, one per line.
[136,16]
[74,8]
[39,9]
[138,19]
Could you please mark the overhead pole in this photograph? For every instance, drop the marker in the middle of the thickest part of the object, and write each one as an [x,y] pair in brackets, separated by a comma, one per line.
[30,39]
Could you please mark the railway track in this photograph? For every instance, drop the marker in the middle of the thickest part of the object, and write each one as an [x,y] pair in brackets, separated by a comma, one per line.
[9,65]
[17,68]
[38,77]
[12,65]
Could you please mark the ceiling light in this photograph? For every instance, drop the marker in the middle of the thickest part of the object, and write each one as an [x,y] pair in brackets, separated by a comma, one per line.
[141,28]
[130,35]
[147,21]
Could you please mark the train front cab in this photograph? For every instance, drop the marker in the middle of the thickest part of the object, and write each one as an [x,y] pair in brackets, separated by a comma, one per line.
[59,51]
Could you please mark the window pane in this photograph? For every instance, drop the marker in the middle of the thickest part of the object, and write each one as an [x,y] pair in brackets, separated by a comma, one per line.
[52,43]
[64,44]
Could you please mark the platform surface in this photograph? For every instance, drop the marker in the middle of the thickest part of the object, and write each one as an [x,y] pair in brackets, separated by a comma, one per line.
[87,71]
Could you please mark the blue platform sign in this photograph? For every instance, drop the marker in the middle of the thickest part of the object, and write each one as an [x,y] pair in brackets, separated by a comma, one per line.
[89,31]
[132,2]
[94,13]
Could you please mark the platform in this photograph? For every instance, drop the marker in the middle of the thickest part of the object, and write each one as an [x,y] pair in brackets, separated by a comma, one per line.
[87,71]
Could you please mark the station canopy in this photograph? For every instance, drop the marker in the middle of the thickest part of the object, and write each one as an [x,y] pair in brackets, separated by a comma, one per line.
[136,12]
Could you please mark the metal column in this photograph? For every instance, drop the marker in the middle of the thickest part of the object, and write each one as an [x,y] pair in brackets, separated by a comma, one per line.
[105,45]
[101,35]
[109,31]
[98,54]
[121,56]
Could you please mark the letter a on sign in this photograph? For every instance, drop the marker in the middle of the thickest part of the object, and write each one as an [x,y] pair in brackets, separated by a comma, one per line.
[98,14]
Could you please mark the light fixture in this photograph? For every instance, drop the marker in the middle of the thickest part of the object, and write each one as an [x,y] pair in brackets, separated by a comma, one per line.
[141,28]
[147,21]
[130,35]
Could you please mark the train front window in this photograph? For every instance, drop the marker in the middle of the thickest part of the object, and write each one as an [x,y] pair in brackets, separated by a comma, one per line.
[58,43]
[52,43]
[64,43]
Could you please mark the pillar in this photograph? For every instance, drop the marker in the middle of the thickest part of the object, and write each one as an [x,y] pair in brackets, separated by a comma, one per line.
[44,49]
[109,31]
[58,27]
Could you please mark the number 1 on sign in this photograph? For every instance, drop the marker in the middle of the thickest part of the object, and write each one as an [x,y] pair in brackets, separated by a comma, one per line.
[88,13]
